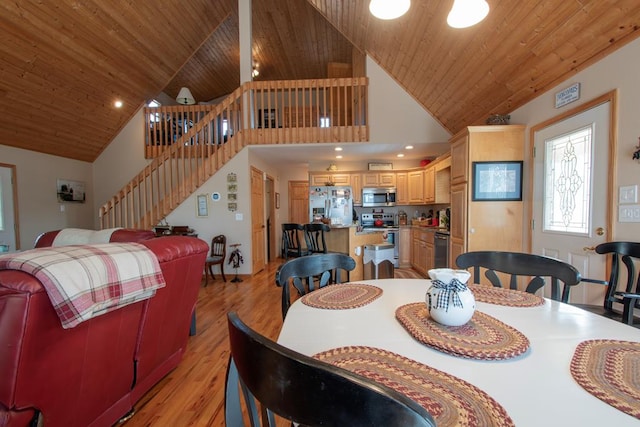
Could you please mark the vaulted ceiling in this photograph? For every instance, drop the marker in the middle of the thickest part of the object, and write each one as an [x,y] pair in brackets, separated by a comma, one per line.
[64,63]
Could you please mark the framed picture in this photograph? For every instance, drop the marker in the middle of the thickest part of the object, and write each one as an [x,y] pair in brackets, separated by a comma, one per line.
[497,181]
[380,166]
[232,188]
[202,205]
[232,206]
[70,191]
[232,177]
[232,196]
[277,200]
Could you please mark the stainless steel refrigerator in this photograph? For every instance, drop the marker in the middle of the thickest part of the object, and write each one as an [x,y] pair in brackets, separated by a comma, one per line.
[334,203]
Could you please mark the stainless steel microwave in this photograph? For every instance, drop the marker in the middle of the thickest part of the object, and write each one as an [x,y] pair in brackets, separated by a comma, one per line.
[374,197]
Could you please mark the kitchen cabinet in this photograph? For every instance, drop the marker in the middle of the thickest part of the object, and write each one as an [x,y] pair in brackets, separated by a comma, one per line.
[356,187]
[404,248]
[415,185]
[321,179]
[422,254]
[379,179]
[483,225]
[430,184]
[402,189]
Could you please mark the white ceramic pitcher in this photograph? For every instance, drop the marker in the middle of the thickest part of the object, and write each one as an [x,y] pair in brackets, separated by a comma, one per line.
[449,300]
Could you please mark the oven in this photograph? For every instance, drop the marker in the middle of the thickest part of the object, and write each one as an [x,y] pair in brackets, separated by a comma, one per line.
[377,222]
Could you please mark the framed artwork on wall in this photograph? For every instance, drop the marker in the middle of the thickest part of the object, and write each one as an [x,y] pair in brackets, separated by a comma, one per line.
[497,181]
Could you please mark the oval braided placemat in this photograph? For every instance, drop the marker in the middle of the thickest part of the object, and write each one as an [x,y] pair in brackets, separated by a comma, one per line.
[508,297]
[483,337]
[451,401]
[342,296]
[610,370]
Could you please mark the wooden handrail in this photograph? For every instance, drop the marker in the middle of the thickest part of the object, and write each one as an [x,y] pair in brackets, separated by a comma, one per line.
[188,144]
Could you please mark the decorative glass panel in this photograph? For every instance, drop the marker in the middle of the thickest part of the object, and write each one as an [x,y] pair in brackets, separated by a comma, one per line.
[567,187]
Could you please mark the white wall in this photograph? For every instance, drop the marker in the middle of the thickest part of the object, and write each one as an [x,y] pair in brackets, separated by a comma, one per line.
[39,209]
[620,70]
[394,116]
[119,163]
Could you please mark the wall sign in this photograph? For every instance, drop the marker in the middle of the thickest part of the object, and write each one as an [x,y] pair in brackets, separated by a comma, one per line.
[568,95]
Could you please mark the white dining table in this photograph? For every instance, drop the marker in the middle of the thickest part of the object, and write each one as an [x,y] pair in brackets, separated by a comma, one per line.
[535,388]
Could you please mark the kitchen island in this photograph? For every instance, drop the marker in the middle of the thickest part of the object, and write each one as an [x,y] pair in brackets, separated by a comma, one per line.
[348,240]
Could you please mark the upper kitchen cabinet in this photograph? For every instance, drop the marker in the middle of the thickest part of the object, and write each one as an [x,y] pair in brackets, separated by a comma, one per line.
[430,185]
[483,225]
[402,188]
[323,178]
[379,179]
[437,181]
[356,187]
[416,187]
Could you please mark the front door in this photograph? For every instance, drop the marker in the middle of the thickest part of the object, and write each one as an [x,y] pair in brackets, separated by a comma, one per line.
[571,204]
[258,228]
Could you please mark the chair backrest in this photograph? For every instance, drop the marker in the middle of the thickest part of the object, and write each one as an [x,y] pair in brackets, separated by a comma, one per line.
[291,240]
[314,237]
[622,253]
[517,264]
[305,390]
[301,272]
[219,246]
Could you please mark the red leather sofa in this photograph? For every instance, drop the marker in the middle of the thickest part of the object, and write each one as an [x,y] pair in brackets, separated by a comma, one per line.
[118,235]
[93,374]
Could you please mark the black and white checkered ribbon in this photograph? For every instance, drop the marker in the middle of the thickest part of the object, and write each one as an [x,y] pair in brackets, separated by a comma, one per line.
[447,291]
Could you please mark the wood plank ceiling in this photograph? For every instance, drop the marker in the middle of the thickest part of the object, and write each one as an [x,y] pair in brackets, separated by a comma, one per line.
[63,63]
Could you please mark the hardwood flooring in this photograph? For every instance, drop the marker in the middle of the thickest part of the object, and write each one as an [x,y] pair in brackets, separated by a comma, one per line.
[193,394]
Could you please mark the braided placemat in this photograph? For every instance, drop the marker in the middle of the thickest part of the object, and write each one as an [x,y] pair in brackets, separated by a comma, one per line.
[508,297]
[451,401]
[483,337]
[342,296]
[610,370]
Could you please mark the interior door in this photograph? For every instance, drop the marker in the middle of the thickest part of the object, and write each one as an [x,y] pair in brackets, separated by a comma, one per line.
[571,209]
[8,208]
[298,202]
[258,228]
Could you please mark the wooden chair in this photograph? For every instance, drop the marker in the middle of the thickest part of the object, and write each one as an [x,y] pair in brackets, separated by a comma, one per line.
[291,247]
[627,294]
[305,390]
[518,264]
[216,257]
[301,272]
[314,237]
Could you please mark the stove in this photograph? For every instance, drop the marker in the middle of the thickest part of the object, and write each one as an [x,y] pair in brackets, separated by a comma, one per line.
[367,220]
[389,229]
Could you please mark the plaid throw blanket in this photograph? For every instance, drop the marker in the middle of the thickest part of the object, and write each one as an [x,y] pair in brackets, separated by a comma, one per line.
[84,281]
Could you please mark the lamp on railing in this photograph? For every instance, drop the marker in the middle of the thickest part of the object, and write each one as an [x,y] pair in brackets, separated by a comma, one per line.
[389,9]
[185,97]
[466,13]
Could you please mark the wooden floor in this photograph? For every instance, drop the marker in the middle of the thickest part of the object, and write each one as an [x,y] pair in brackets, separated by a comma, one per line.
[193,394]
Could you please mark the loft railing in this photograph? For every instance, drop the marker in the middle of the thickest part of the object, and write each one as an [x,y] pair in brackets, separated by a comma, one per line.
[188,144]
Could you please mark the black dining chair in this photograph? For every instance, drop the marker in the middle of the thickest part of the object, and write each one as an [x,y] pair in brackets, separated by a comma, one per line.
[291,242]
[624,258]
[522,265]
[304,390]
[314,237]
[312,272]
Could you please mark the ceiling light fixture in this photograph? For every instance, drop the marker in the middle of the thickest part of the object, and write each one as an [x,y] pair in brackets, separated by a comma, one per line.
[409,147]
[254,71]
[117,104]
[184,97]
[389,9]
[338,148]
[466,13]
[400,155]
[338,156]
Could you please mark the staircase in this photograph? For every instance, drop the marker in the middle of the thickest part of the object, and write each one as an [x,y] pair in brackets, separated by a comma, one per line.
[189,144]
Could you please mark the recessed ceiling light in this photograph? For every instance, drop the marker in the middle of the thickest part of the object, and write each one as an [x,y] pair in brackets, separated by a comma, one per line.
[338,156]
[338,148]
[117,103]
[408,147]
[400,155]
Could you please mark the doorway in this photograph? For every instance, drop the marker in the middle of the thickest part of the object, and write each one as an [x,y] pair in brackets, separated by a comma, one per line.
[9,229]
[572,188]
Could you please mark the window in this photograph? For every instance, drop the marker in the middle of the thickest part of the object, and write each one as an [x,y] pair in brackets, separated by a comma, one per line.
[567,187]
[325,122]
[154,117]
